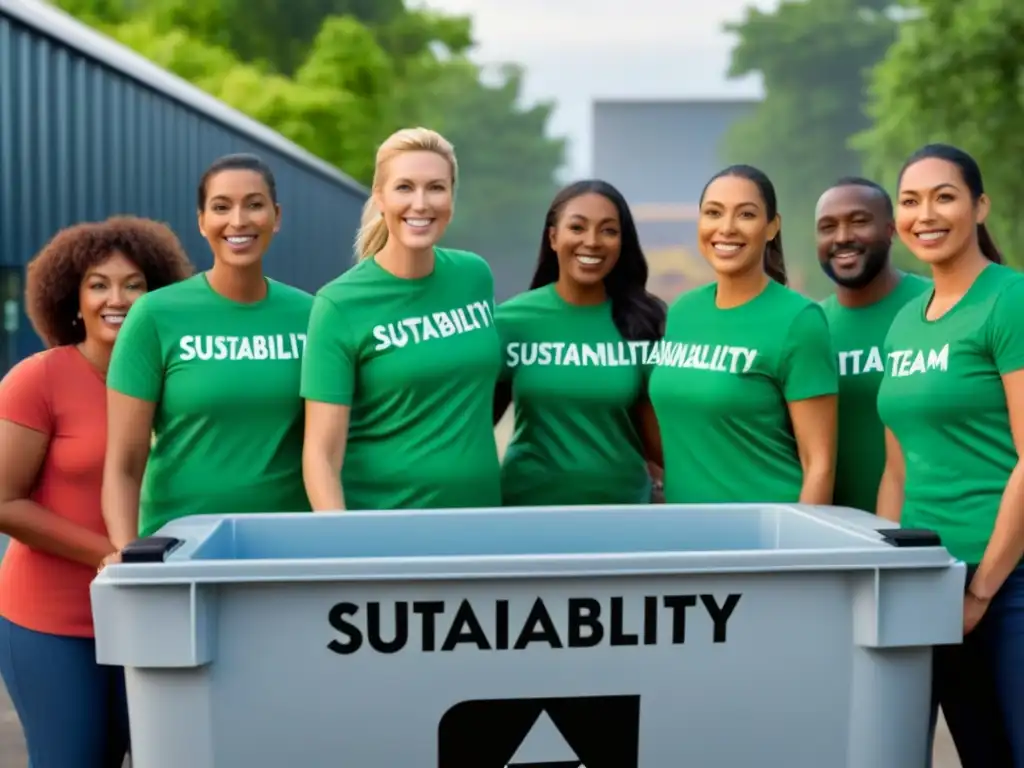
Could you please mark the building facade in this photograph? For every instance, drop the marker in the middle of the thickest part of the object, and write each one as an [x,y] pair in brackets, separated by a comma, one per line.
[90,129]
[660,155]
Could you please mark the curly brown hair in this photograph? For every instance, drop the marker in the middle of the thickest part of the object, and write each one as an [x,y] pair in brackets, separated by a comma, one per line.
[54,275]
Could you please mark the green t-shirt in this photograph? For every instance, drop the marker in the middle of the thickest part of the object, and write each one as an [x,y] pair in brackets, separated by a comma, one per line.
[417,362]
[575,383]
[720,388]
[943,399]
[858,336]
[225,378]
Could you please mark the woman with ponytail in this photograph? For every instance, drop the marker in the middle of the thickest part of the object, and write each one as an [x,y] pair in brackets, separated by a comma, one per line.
[203,408]
[952,402]
[744,384]
[402,356]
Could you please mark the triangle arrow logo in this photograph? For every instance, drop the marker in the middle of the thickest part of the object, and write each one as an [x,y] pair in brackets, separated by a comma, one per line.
[544,745]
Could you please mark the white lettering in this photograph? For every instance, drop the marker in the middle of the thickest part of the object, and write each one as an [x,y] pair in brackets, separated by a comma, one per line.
[280,346]
[910,362]
[571,354]
[857,362]
[722,358]
[188,351]
[436,325]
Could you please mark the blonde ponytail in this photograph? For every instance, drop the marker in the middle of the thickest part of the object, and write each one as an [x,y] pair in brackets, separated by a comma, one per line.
[373,229]
[373,232]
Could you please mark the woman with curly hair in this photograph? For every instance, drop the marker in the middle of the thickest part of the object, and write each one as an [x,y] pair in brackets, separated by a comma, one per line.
[211,366]
[53,413]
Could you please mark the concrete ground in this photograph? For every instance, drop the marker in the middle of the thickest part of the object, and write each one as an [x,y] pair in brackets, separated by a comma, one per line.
[945,752]
[12,745]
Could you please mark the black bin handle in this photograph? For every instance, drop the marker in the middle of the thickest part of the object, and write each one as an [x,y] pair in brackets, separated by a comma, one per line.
[911,537]
[150,549]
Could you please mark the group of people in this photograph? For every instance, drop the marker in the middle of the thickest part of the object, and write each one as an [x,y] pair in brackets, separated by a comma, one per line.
[229,392]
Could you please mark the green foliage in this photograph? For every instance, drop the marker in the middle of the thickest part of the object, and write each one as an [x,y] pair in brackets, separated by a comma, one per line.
[813,57]
[96,12]
[338,76]
[955,75]
[409,35]
[319,114]
[347,60]
[279,33]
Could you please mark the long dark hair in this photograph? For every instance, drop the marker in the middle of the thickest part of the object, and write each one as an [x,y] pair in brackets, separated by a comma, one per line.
[638,314]
[971,174]
[774,262]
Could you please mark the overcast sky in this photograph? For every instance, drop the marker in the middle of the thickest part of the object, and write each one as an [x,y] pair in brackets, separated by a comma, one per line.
[579,50]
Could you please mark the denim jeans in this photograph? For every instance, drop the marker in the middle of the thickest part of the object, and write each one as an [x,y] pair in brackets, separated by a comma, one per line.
[980,684]
[73,711]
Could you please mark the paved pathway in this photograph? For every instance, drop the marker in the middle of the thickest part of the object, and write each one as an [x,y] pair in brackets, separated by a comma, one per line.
[12,746]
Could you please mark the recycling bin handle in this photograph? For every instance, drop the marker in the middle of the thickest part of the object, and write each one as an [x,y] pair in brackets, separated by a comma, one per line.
[911,537]
[150,549]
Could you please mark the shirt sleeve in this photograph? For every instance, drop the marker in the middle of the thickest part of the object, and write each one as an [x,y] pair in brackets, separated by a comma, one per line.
[1006,329]
[330,360]
[137,362]
[487,280]
[506,334]
[500,318]
[25,395]
[808,366]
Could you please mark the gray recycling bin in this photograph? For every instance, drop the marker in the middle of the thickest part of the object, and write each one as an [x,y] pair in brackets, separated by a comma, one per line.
[607,637]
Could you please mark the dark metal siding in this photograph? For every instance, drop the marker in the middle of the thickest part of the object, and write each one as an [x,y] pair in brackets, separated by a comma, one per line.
[80,140]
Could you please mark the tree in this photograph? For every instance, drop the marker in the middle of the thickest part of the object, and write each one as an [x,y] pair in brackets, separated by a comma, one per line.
[813,57]
[955,75]
[347,59]
[322,114]
[278,34]
[352,84]
[96,13]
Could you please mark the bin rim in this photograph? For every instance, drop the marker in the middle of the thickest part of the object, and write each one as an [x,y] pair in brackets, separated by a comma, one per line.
[868,550]
[522,567]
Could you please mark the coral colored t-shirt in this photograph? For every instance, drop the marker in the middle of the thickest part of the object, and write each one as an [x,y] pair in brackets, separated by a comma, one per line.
[59,393]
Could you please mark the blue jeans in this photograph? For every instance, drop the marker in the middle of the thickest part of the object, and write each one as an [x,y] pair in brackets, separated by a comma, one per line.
[73,711]
[980,684]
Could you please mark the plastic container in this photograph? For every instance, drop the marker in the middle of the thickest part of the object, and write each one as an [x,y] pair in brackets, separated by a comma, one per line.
[618,637]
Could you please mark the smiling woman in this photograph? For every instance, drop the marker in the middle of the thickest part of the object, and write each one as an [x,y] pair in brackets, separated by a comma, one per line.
[402,352]
[952,402]
[211,365]
[575,348]
[745,382]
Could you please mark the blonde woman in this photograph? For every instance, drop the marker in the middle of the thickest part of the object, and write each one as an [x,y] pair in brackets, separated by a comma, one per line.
[402,356]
